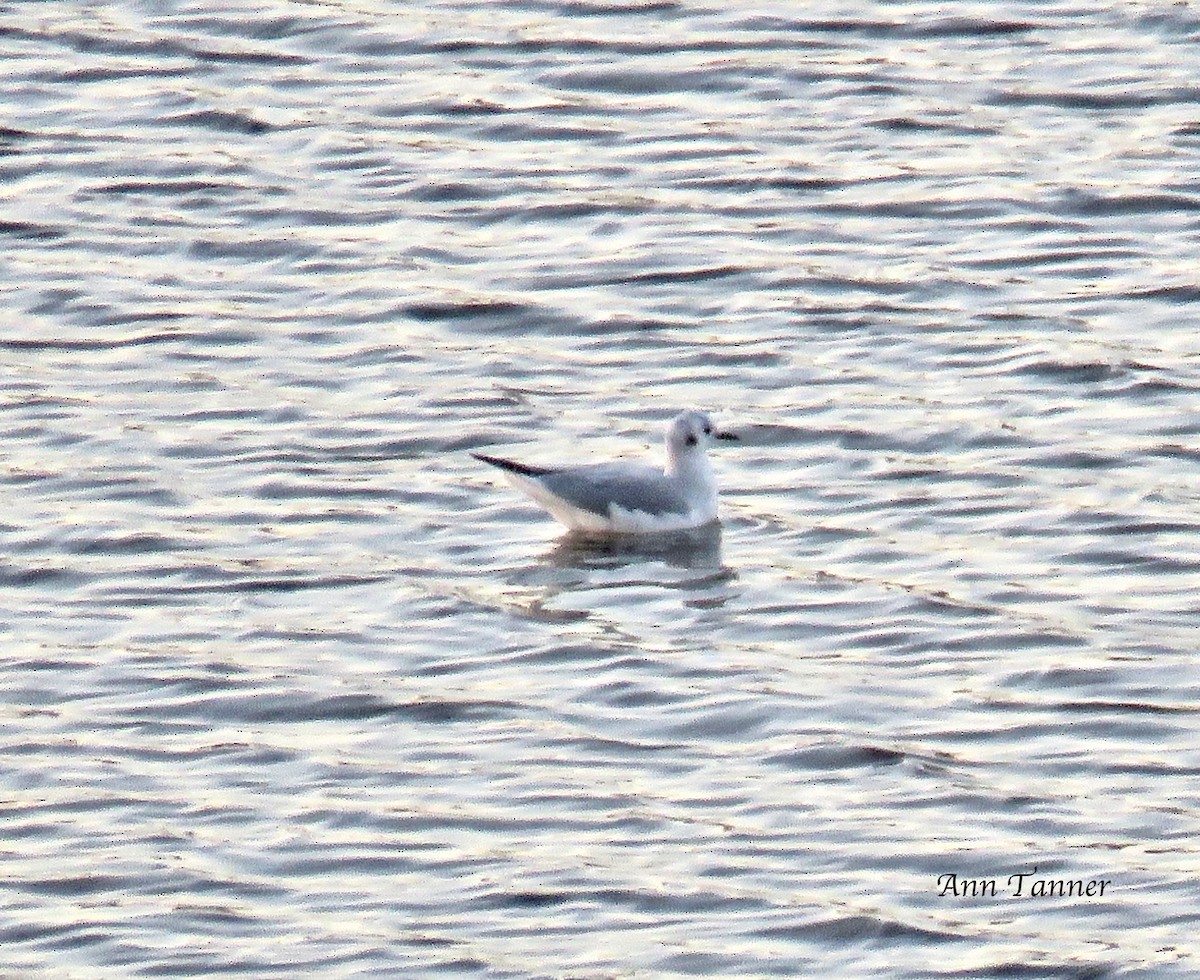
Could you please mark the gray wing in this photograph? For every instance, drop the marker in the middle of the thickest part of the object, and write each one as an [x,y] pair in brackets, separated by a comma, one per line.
[595,488]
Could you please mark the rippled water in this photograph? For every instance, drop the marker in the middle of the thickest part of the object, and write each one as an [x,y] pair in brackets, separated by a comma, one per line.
[292,686]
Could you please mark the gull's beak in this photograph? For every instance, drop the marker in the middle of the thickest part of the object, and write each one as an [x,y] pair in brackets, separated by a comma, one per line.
[726,436]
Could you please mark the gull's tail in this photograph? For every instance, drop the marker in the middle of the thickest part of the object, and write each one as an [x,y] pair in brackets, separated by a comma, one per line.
[511,466]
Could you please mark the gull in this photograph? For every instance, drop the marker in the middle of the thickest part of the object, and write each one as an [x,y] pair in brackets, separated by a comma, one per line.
[629,498]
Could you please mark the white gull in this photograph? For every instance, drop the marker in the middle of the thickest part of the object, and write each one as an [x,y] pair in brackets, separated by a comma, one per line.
[628,498]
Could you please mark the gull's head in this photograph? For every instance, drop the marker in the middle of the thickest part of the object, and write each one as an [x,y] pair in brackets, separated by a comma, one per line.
[692,432]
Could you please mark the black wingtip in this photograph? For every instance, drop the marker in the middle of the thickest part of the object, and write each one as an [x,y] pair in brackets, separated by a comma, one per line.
[524,469]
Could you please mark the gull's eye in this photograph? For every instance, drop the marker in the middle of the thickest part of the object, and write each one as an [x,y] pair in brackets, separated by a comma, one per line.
[708,430]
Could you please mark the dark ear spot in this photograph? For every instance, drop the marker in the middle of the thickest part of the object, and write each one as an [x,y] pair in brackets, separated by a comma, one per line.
[690,440]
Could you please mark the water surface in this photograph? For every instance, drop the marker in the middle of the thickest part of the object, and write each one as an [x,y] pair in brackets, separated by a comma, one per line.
[291,685]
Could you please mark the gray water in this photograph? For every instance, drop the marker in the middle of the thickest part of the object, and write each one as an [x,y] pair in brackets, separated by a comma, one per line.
[292,686]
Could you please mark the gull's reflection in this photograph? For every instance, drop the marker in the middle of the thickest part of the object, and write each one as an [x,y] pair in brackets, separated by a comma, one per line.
[612,580]
[697,549]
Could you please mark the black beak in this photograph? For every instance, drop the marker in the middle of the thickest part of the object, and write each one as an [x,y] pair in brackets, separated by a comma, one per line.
[727,436]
